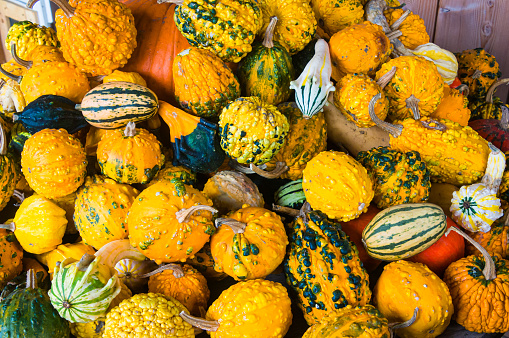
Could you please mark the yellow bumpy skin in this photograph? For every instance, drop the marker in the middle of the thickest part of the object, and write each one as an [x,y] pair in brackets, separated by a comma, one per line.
[334,15]
[28,35]
[352,97]
[254,308]
[412,28]
[150,313]
[336,184]
[227,28]
[455,154]
[416,79]
[404,286]
[251,130]
[98,36]
[296,22]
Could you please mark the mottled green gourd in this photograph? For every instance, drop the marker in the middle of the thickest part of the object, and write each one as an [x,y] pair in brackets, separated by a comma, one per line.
[267,70]
[399,177]
[324,268]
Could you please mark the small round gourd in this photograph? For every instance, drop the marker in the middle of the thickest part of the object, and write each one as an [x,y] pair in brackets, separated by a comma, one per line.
[184,283]
[204,84]
[129,156]
[54,163]
[260,307]
[251,130]
[169,172]
[399,177]
[101,209]
[336,184]
[479,70]
[170,221]
[26,36]
[404,286]
[352,96]
[130,272]
[454,107]
[250,243]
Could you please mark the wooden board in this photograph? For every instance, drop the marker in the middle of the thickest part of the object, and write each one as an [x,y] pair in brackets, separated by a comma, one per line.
[427,10]
[15,12]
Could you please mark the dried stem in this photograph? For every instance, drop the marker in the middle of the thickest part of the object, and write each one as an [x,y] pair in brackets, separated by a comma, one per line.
[62,4]
[489,270]
[412,103]
[463,89]
[176,2]
[394,130]
[280,169]
[19,195]
[178,272]
[24,63]
[130,129]
[436,125]
[3,141]
[31,279]
[285,210]
[400,20]
[10,76]
[207,325]
[504,120]
[268,39]
[493,87]
[85,262]
[9,226]
[97,78]
[386,78]
[237,226]
[394,35]
[477,74]
[240,168]
[395,326]
[184,214]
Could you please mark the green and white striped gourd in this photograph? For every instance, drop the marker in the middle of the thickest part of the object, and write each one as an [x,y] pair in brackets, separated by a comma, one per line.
[114,104]
[404,230]
[313,85]
[82,291]
[290,195]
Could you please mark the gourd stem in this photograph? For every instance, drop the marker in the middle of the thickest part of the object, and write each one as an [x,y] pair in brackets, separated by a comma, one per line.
[434,124]
[285,210]
[394,35]
[240,168]
[374,10]
[394,130]
[412,103]
[3,141]
[394,326]
[489,270]
[463,89]
[178,272]
[62,4]
[10,76]
[237,226]
[477,74]
[97,78]
[504,120]
[493,87]
[386,78]
[9,226]
[280,169]
[268,39]
[207,325]
[494,170]
[400,20]
[26,64]
[19,195]
[130,129]
[31,279]
[85,261]
[304,210]
[176,2]
[184,214]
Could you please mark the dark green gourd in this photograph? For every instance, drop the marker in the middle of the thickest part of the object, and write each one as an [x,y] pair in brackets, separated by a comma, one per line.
[53,112]
[267,70]
[324,268]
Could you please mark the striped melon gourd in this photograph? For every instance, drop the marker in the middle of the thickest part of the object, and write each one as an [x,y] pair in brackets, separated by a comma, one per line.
[402,231]
[114,104]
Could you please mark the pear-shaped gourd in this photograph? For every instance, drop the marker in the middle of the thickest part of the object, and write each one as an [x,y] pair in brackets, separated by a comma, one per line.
[475,207]
[313,85]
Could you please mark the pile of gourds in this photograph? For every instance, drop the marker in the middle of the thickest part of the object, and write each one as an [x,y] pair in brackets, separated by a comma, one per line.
[315,139]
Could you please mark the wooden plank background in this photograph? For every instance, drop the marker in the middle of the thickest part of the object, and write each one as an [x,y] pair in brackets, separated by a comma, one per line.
[457,25]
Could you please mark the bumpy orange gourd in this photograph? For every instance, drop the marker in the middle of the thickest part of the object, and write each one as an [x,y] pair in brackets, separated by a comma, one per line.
[296,22]
[359,48]
[101,209]
[250,243]
[170,221]
[96,36]
[352,96]
[130,155]
[307,137]
[333,16]
[185,284]
[416,82]
[495,241]
[11,254]
[454,107]
[412,28]
[336,184]
[54,163]
[404,286]
[479,288]
[204,84]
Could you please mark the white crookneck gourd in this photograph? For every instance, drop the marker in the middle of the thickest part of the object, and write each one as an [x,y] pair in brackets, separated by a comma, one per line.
[475,207]
[314,84]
